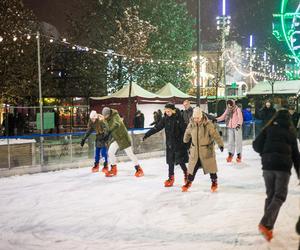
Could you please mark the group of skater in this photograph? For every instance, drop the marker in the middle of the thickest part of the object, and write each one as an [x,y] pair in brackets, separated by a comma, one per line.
[191,136]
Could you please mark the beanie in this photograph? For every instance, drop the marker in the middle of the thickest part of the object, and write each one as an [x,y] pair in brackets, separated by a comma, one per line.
[197,113]
[93,114]
[106,111]
[170,106]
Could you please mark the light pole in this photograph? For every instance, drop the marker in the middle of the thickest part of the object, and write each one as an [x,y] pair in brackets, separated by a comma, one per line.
[223,24]
[251,53]
[198,50]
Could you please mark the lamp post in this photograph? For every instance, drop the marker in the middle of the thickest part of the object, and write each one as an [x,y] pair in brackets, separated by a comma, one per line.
[198,50]
[251,54]
[223,24]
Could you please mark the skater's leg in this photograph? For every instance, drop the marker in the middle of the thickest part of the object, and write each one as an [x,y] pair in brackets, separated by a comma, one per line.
[239,141]
[191,177]
[213,177]
[171,170]
[97,155]
[231,141]
[112,153]
[132,156]
[183,167]
[104,155]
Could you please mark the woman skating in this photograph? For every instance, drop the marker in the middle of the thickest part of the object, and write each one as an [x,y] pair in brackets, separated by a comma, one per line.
[203,134]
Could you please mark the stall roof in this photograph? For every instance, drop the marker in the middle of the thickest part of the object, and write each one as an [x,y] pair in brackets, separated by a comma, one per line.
[169,90]
[136,90]
[280,87]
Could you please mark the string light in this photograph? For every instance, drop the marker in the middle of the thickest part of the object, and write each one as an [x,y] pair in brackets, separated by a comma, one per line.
[51,40]
[1,39]
[64,40]
[73,47]
[15,38]
[94,52]
[28,37]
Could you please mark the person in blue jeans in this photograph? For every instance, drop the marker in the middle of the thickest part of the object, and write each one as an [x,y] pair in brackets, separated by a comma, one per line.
[247,125]
[102,138]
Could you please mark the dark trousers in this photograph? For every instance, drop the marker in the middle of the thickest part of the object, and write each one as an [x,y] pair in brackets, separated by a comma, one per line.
[172,166]
[276,183]
[213,176]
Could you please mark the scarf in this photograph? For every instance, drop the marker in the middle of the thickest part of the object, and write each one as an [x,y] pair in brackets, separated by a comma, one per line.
[229,114]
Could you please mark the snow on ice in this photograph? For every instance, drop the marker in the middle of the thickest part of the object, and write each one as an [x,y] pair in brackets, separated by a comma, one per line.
[75,209]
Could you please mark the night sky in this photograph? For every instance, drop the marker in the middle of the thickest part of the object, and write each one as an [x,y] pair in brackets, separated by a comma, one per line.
[248,17]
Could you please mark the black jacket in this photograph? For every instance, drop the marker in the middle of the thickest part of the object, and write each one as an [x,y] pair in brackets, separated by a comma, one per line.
[139,121]
[174,128]
[187,114]
[278,147]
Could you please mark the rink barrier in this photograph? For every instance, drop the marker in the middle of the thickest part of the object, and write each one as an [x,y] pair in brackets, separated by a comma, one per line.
[47,152]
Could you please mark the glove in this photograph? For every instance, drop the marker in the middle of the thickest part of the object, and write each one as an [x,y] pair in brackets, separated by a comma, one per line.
[221,149]
[82,142]
[238,127]
[214,120]
[145,137]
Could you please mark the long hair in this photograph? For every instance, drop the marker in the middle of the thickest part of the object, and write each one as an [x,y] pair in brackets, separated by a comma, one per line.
[284,115]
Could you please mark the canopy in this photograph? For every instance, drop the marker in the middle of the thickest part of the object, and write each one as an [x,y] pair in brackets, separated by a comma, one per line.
[280,87]
[136,91]
[169,90]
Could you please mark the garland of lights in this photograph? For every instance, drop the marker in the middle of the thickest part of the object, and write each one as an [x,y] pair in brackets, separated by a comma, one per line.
[115,55]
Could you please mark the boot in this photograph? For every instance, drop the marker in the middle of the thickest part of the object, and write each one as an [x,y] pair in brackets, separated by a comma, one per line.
[239,158]
[105,168]
[95,168]
[267,233]
[112,172]
[229,157]
[170,181]
[185,177]
[214,186]
[186,186]
[139,171]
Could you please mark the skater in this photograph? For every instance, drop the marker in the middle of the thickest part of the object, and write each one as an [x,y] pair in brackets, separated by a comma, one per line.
[139,119]
[174,126]
[278,148]
[266,113]
[203,134]
[121,141]
[234,121]
[187,112]
[102,138]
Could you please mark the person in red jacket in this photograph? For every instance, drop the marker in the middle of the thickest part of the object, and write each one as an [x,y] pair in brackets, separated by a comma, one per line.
[233,118]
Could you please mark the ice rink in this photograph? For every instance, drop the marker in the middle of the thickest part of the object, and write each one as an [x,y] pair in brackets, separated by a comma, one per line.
[75,209]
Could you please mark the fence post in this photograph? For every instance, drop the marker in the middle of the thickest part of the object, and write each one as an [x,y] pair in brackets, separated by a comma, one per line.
[254,127]
[8,149]
[71,149]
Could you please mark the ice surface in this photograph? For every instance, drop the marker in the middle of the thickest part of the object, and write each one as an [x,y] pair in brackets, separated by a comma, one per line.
[75,209]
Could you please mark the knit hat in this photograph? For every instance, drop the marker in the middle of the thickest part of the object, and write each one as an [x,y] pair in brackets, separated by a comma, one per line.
[230,102]
[106,111]
[197,113]
[170,106]
[93,114]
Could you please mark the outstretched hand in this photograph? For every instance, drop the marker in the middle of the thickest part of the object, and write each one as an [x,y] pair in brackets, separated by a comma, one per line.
[82,142]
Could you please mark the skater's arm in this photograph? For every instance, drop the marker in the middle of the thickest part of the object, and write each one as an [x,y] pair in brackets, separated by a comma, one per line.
[240,117]
[213,132]
[222,117]
[187,134]
[156,128]
[296,156]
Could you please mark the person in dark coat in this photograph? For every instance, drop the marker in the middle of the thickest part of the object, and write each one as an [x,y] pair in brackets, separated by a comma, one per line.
[139,120]
[174,126]
[266,113]
[278,148]
[294,116]
[187,113]
[156,118]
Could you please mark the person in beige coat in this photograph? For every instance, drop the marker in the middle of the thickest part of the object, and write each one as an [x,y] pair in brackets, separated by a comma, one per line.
[203,136]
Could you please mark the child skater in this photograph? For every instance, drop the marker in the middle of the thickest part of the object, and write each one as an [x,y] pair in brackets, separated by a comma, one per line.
[102,137]
[203,134]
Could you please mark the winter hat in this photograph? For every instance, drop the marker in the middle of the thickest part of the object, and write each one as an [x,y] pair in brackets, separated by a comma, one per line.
[197,113]
[93,114]
[230,102]
[106,111]
[170,106]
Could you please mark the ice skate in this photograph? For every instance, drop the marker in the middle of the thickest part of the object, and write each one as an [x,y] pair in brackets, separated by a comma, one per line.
[170,181]
[185,178]
[139,171]
[214,186]
[186,186]
[229,157]
[112,172]
[239,158]
[95,168]
[268,234]
[105,168]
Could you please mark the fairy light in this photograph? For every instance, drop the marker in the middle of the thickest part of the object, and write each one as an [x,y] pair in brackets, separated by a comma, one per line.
[15,38]
[73,47]
[94,52]
[28,37]
[1,39]
[51,40]
[64,40]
